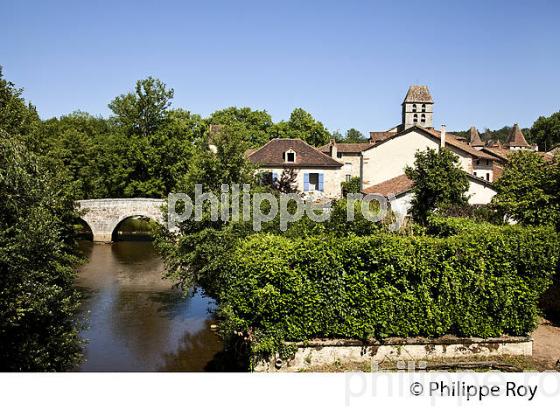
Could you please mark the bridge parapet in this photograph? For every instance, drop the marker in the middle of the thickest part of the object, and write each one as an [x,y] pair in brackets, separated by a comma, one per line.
[103,215]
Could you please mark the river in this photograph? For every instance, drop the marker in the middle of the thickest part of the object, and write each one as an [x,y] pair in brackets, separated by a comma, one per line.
[137,321]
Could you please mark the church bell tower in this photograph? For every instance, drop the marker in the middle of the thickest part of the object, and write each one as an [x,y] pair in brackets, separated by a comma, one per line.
[417,107]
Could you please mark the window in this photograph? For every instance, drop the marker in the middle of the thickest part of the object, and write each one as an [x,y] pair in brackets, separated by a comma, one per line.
[488,176]
[475,174]
[415,118]
[348,177]
[423,118]
[290,156]
[423,107]
[477,162]
[312,182]
[339,154]
[413,107]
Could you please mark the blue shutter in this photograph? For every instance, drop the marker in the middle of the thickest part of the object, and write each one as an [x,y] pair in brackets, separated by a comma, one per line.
[321,182]
[305,182]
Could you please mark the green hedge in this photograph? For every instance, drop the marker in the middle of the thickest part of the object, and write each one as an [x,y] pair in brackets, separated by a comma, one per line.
[478,282]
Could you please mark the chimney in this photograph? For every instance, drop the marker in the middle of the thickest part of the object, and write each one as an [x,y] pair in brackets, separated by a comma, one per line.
[333,148]
[442,137]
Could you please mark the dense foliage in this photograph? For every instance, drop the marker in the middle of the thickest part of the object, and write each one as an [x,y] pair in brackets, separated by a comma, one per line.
[546,131]
[439,182]
[467,280]
[529,190]
[38,303]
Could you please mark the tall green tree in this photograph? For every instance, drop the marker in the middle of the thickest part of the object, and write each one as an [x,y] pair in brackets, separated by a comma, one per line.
[546,131]
[16,117]
[143,111]
[302,125]
[528,190]
[255,125]
[439,182]
[38,303]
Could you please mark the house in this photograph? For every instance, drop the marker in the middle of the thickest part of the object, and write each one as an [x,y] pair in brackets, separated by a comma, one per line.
[317,174]
[380,162]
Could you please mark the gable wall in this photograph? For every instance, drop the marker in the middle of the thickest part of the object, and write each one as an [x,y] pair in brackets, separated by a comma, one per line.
[389,159]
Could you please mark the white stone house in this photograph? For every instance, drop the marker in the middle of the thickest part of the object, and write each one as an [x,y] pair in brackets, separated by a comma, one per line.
[318,175]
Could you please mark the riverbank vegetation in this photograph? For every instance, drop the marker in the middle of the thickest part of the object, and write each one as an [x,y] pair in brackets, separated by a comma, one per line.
[38,303]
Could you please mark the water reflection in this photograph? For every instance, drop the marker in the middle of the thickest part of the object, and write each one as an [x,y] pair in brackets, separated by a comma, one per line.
[137,320]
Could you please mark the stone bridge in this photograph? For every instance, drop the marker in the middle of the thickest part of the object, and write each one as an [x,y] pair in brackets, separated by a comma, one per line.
[103,215]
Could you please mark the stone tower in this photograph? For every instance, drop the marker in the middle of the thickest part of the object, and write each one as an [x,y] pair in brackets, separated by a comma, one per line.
[417,107]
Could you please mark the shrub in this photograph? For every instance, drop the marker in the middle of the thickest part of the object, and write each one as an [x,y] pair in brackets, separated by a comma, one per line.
[468,284]
[352,186]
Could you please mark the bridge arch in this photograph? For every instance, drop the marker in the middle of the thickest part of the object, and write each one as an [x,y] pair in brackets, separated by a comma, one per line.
[118,227]
[104,215]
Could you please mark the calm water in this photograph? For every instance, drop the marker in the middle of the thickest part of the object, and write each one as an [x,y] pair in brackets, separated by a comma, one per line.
[137,321]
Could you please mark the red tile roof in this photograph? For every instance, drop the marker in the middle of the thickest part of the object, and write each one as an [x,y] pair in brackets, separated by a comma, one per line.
[376,136]
[272,155]
[393,186]
[401,184]
[346,148]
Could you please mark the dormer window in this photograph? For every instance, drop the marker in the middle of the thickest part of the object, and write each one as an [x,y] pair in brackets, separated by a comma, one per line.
[290,156]
[413,107]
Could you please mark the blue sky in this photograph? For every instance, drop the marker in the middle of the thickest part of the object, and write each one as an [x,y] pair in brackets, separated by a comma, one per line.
[349,63]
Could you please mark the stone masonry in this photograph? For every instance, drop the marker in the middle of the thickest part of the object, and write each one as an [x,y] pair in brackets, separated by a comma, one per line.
[103,215]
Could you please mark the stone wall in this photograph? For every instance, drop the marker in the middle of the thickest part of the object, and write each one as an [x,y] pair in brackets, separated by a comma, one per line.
[328,352]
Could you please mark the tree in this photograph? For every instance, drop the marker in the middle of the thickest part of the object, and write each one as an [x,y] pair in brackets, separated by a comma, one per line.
[302,125]
[16,117]
[39,304]
[255,124]
[546,131]
[439,182]
[143,111]
[528,190]
[353,135]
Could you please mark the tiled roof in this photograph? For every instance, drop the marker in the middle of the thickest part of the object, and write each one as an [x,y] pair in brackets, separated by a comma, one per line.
[475,138]
[393,186]
[401,184]
[376,136]
[346,148]
[449,138]
[272,155]
[516,138]
[418,93]
[501,153]
[454,142]
[504,153]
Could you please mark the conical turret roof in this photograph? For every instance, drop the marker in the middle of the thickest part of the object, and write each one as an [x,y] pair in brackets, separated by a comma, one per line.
[475,140]
[516,138]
